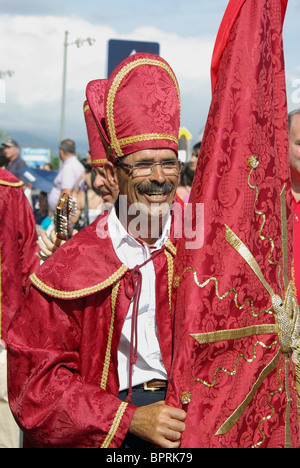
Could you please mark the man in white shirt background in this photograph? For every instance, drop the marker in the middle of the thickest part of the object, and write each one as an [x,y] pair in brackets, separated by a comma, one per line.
[68,174]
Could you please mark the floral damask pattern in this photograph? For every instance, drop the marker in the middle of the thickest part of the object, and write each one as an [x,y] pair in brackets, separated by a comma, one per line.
[216,288]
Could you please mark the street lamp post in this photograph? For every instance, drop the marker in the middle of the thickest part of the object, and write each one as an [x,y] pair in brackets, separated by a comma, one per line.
[3,74]
[78,43]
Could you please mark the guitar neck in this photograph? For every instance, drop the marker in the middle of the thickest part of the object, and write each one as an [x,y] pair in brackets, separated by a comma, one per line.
[66,208]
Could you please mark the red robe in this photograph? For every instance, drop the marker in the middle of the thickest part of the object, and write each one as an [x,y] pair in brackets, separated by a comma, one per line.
[17,247]
[236,355]
[63,344]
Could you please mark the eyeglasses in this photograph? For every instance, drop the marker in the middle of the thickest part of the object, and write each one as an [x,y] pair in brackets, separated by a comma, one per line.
[145,169]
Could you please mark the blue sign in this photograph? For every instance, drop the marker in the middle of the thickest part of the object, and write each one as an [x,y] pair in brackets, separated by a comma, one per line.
[40,179]
[36,157]
[119,50]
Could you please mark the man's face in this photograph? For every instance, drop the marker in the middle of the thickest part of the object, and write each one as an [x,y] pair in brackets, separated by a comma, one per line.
[151,191]
[194,160]
[11,152]
[107,191]
[294,146]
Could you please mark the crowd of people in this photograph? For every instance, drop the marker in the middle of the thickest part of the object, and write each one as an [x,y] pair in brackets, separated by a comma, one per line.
[87,342]
[76,178]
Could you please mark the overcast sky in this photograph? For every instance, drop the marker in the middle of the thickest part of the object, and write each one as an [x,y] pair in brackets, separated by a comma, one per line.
[31,45]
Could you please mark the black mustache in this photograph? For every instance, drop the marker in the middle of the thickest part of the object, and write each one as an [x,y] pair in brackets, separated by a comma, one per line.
[154,187]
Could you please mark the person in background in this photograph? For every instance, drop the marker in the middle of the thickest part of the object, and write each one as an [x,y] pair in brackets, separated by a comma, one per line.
[294,156]
[68,174]
[3,158]
[96,157]
[12,154]
[89,200]
[195,155]
[186,180]
[187,174]
[46,217]
[17,261]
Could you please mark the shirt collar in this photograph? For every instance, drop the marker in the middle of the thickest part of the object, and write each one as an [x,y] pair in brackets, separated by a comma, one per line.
[120,236]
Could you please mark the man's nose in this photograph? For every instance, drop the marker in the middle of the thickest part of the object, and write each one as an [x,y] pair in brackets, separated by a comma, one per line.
[98,182]
[158,174]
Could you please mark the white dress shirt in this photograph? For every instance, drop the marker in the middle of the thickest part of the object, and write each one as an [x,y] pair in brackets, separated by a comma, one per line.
[131,253]
[67,178]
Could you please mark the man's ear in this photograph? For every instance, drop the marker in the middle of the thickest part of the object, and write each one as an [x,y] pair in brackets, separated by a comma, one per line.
[111,174]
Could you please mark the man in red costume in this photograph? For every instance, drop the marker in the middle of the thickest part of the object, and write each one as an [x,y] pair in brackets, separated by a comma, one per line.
[94,333]
[236,355]
[17,261]
[108,193]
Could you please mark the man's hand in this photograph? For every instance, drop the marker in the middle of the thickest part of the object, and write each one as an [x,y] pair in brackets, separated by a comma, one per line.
[49,246]
[159,424]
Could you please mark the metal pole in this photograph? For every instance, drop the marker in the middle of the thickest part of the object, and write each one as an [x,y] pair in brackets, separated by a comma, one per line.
[63,99]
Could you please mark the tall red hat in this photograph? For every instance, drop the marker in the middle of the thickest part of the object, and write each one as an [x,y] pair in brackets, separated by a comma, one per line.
[93,110]
[141,106]
[97,149]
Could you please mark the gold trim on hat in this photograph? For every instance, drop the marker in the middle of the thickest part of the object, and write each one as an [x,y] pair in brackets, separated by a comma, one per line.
[115,142]
[98,161]
[147,137]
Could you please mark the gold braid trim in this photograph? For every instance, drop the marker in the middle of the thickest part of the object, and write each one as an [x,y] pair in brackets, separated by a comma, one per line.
[114,294]
[115,425]
[170,246]
[236,415]
[147,137]
[245,253]
[98,161]
[170,277]
[11,184]
[79,292]
[235,334]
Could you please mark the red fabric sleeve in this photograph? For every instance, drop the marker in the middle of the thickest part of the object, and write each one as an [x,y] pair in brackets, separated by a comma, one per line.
[52,402]
[27,238]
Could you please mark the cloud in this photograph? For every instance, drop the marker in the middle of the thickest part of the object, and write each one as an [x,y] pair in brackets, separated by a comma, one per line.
[33,48]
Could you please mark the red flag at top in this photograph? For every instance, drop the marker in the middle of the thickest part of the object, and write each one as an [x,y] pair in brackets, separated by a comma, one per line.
[230,16]
[236,318]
